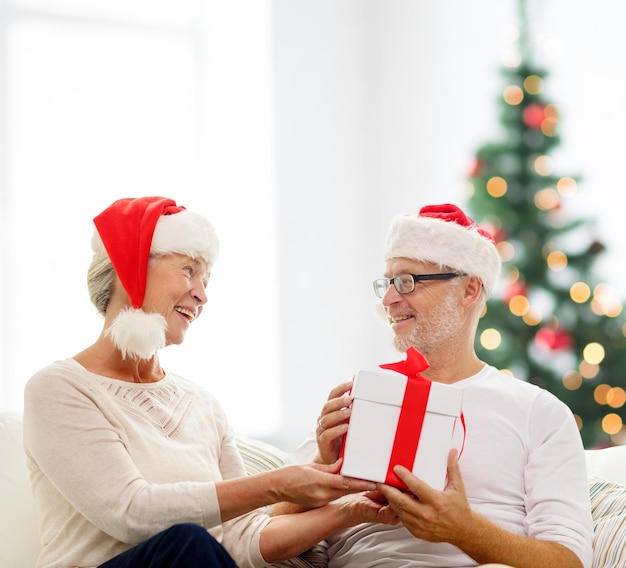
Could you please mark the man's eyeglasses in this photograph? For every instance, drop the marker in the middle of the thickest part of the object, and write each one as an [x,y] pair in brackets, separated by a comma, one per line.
[405,283]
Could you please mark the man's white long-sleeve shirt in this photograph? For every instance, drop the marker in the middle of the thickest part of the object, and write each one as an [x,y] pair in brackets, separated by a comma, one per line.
[523,466]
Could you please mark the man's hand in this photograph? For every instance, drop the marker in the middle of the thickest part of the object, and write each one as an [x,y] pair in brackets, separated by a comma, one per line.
[435,516]
[332,424]
[446,516]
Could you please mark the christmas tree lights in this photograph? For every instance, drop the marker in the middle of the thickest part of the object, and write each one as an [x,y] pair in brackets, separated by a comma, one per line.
[552,321]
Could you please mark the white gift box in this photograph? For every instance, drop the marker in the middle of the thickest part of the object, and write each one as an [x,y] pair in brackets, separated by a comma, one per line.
[372,431]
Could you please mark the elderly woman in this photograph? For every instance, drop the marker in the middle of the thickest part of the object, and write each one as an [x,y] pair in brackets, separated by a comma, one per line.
[131,464]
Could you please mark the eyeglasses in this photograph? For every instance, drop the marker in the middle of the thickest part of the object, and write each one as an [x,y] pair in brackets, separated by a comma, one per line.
[405,283]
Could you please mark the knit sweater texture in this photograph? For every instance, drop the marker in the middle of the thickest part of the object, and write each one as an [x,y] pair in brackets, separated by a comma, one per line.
[112,463]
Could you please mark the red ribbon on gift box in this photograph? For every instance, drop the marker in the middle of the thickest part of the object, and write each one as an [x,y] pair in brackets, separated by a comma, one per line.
[412,413]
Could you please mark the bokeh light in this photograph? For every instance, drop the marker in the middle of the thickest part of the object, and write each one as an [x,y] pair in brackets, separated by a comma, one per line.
[533,316]
[496,186]
[547,199]
[600,393]
[616,397]
[588,370]
[543,165]
[513,95]
[580,292]
[533,84]
[593,353]
[612,423]
[490,339]
[549,125]
[557,260]
[566,186]
[519,305]
[605,302]
[572,380]
[506,251]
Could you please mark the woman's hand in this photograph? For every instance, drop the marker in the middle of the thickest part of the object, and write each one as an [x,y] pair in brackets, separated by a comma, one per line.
[368,507]
[315,485]
[287,535]
[332,424]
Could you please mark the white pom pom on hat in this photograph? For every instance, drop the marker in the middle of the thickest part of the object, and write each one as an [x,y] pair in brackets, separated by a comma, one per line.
[445,235]
[138,334]
[129,231]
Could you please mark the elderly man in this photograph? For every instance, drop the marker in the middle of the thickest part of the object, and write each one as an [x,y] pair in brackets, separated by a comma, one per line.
[518,494]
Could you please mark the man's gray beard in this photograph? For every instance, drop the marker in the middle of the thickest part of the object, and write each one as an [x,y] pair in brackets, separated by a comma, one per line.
[414,339]
[403,343]
[445,322]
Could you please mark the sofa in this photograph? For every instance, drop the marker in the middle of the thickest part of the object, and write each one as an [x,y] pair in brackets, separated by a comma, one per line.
[19,542]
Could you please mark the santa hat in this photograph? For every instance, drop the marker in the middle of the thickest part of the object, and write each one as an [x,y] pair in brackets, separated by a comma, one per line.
[129,231]
[444,235]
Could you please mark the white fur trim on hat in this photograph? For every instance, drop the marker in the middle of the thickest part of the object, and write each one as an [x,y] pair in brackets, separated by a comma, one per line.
[444,243]
[138,334]
[186,233]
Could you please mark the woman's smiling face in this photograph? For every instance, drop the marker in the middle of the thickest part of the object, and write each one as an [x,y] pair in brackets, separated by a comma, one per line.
[176,289]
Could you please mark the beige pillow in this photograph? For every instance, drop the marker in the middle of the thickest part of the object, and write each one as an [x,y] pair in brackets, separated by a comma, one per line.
[259,456]
[608,509]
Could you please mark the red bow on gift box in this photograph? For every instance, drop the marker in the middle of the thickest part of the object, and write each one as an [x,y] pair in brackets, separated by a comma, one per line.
[412,366]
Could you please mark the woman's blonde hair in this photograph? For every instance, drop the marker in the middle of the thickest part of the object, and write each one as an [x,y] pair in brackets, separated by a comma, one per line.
[100,281]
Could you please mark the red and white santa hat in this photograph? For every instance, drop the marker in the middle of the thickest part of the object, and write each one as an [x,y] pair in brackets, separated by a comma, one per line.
[129,231]
[445,235]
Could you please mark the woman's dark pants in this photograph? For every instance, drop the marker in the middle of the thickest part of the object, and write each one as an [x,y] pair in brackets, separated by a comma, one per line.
[182,546]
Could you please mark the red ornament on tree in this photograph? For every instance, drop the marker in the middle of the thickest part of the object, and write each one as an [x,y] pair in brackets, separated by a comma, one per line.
[550,339]
[476,167]
[533,115]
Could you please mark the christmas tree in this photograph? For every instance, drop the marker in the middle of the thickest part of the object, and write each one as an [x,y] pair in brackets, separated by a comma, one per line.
[552,322]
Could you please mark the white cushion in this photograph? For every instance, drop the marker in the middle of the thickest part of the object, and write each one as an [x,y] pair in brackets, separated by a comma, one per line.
[19,539]
[607,463]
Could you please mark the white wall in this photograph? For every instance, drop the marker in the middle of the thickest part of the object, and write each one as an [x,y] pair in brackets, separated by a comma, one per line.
[368,125]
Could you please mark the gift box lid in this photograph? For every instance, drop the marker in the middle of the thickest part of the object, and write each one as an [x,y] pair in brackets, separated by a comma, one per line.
[387,387]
